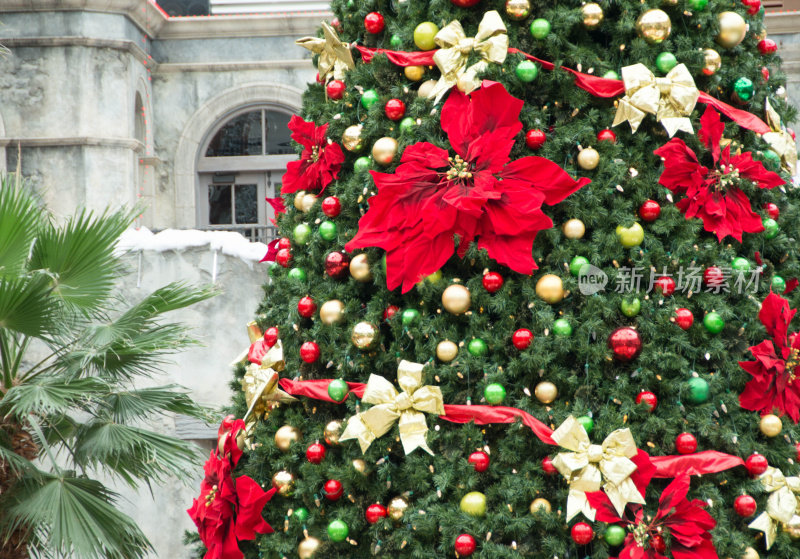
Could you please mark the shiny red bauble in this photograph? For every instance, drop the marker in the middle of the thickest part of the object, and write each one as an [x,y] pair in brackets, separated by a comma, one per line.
[582,533]
[479,460]
[333,489]
[606,136]
[306,307]
[535,138]
[650,210]
[684,318]
[284,257]
[464,3]
[765,74]
[395,109]
[271,336]
[337,264]
[666,285]
[745,506]
[286,242]
[375,512]
[657,543]
[390,311]
[752,6]
[315,453]
[331,206]
[548,467]
[335,89]
[492,282]
[756,464]
[648,398]
[309,352]
[522,338]
[767,46]
[373,22]
[772,210]
[685,443]
[713,276]
[625,343]
[464,545]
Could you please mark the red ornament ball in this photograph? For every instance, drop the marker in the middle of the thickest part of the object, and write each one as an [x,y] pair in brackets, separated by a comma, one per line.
[767,47]
[625,343]
[318,78]
[336,24]
[331,206]
[547,466]
[375,512]
[335,89]
[756,464]
[271,336]
[315,453]
[648,398]
[309,352]
[284,257]
[337,264]
[772,210]
[306,307]
[582,533]
[286,242]
[464,3]
[606,136]
[745,506]
[522,338]
[535,139]
[333,489]
[479,460]
[666,285]
[752,6]
[465,545]
[713,276]
[684,318]
[373,22]
[650,210]
[492,282]
[390,311]
[657,543]
[685,443]
[395,109]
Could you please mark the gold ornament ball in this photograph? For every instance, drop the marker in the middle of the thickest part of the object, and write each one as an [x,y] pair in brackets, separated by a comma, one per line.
[359,268]
[308,548]
[351,138]
[542,505]
[307,202]
[654,26]
[384,150]
[284,482]
[397,508]
[456,299]
[285,436]
[518,9]
[550,289]
[588,159]
[771,425]
[792,527]
[426,87]
[298,199]
[546,392]
[332,432]
[446,351]
[364,335]
[732,29]
[574,229]
[750,553]
[414,73]
[781,93]
[670,2]
[331,311]
[592,15]
[360,466]
[712,62]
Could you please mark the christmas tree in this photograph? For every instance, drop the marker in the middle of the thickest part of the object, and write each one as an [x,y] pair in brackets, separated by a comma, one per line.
[533,296]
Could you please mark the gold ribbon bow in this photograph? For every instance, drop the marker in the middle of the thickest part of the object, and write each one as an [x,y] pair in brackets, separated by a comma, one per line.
[260,383]
[490,43]
[335,57]
[782,505]
[780,141]
[390,406]
[671,98]
[590,467]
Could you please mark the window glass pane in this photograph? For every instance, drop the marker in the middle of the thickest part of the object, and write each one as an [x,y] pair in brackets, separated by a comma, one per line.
[246,203]
[219,204]
[240,136]
[278,134]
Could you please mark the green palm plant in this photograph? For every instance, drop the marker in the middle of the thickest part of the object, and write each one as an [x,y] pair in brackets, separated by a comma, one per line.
[73,413]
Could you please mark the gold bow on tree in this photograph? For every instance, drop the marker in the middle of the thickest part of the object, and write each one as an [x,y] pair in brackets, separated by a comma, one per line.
[671,98]
[335,57]
[590,467]
[390,406]
[780,141]
[782,505]
[490,44]
[260,383]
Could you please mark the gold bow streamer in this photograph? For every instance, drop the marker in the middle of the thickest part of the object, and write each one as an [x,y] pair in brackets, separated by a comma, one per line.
[335,57]
[490,43]
[671,98]
[260,383]
[780,141]
[590,467]
[408,407]
[782,504]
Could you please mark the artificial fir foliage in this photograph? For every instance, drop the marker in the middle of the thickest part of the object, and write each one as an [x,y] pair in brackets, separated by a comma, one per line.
[616,415]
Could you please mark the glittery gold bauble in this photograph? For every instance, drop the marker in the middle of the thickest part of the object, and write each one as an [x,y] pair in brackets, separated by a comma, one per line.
[331,311]
[384,150]
[712,62]
[550,289]
[588,159]
[654,26]
[414,73]
[574,229]
[426,88]
[298,199]
[333,431]
[285,436]
[546,392]
[771,425]
[308,202]
[518,9]
[456,299]
[397,508]
[542,505]
[308,548]
[446,351]
[732,29]
[360,466]
[359,268]
[364,335]
[351,138]
[284,482]
[792,527]
[592,15]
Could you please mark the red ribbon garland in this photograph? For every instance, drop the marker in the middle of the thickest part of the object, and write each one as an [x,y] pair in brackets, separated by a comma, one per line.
[597,86]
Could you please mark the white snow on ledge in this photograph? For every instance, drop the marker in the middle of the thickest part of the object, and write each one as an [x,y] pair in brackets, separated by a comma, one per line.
[227,242]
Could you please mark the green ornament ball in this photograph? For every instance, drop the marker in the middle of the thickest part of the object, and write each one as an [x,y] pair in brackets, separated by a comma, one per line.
[772,160]
[666,61]
[274,270]
[395,41]
[562,327]
[778,284]
[743,89]
[771,227]
[424,35]
[328,230]
[301,233]
[369,98]
[577,264]
[540,28]
[740,264]
[615,535]
[338,389]
[630,237]
[338,530]
[407,124]
[409,317]
[473,504]
[494,393]
[587,422]
[297,274]
[363,163]
[301,514]
[526,71]
[699,391]
[713,322]
[697,5]
[630,308]
[477,347]
[611,75]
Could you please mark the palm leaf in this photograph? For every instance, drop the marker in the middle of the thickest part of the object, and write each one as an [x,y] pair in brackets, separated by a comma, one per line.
[25,304]
[128,405]
[20,217]
[50,395]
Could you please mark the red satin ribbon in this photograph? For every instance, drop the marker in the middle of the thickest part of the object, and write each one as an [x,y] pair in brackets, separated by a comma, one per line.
[699,463]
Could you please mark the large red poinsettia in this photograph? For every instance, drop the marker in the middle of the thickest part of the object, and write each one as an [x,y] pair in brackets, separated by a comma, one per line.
[319,163]
[714,195]
[774,384]
[477,192]
[682,526]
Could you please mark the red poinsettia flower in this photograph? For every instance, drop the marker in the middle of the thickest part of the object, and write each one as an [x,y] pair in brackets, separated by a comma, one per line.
[775,369]
[319,163]
[714,195]
[478,192]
